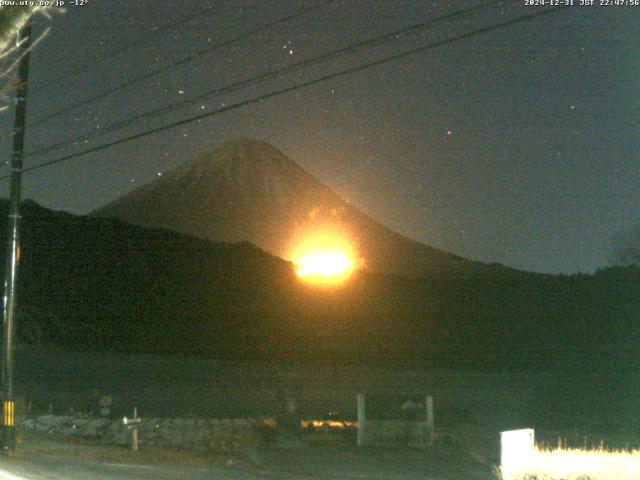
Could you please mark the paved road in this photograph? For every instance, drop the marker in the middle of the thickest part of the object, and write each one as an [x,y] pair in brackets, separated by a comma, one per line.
[58,470]
[294,464]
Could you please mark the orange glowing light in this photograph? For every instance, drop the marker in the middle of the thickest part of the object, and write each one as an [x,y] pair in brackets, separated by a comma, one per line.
[324,259]
[324,264]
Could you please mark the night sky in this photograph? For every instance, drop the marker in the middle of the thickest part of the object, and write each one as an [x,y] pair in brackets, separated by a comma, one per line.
[518,146]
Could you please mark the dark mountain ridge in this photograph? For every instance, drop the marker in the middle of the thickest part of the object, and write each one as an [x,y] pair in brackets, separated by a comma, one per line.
[105,284]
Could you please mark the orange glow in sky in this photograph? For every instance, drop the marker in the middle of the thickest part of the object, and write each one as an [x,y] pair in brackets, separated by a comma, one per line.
[324,259]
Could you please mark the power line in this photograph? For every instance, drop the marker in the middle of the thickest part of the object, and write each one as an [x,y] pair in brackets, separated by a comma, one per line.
[299,86]
[267,76]
[178,63]
[109,55]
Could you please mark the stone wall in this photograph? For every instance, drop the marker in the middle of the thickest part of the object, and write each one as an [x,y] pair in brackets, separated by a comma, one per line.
[202,434]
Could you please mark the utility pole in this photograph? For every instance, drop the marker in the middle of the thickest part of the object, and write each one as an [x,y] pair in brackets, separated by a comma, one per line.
[13,241]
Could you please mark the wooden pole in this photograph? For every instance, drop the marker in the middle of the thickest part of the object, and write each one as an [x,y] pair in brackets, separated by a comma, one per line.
[361,419]
[13,240]
[429,411]
[134,431]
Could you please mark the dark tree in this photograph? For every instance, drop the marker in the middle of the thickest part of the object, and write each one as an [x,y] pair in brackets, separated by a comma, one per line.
[626,248]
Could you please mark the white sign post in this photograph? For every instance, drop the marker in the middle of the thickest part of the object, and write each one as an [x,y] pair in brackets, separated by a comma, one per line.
[132,423]
[516,451]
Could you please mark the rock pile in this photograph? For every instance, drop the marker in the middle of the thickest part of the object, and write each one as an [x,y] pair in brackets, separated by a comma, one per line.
[219,435]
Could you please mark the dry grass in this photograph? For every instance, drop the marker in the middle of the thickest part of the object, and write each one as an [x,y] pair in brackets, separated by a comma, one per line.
[577,464]
[41,445]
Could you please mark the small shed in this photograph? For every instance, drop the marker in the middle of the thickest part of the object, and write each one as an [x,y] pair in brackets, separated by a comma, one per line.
[395,420]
